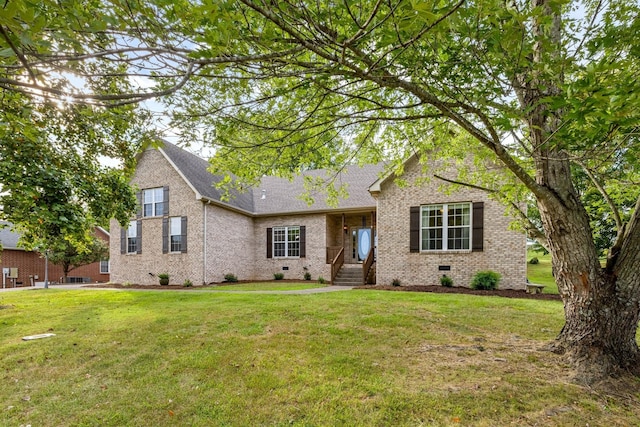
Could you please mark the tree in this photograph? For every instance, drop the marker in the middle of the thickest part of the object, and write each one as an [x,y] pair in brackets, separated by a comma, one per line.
[547,89]
[53,185]
[69,257]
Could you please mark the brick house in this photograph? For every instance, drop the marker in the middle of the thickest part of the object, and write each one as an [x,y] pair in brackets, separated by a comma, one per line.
[186,229]
[25,268]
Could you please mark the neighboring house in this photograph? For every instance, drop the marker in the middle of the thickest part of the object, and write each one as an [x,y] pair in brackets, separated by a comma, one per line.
[25,268]
[185,229]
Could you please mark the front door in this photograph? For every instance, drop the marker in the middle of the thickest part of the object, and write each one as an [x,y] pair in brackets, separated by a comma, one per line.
[361,239]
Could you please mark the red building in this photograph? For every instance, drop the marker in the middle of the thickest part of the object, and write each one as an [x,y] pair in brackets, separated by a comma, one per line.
[25,268]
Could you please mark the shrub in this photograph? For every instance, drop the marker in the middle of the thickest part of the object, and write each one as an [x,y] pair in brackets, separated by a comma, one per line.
[534,260]
[278,276]
[321,280]
[187,283]
[446,281]
[230,277]
[485,280]
[307,275]
[395,282]
[163,278]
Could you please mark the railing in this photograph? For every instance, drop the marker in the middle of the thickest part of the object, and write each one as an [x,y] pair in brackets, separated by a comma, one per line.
[366,265]
[336,264]
[332,252]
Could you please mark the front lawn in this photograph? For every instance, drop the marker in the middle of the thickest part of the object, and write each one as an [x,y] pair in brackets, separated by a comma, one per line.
[541,273]
[162,358]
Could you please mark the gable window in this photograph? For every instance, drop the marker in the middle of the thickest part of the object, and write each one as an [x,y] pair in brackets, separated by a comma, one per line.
[104,266]
[286,242]
[174,234]
[445,227]
[154,201]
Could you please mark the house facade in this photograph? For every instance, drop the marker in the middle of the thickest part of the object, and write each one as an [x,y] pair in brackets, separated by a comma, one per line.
[425,231]
[26,268]
[186,228]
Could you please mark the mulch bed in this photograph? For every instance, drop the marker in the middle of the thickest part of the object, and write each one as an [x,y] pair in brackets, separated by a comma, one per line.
[507,293]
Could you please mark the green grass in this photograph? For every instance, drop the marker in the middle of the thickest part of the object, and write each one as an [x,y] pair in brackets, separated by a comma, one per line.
[541,273]
[268,286]
[352,358]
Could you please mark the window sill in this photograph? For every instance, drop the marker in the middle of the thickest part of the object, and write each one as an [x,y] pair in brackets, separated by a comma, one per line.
[448,252]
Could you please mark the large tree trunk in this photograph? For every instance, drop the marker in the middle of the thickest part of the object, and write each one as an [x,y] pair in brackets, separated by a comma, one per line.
[601,305]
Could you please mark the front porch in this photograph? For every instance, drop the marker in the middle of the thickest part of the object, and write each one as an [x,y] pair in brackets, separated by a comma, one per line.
[351,244]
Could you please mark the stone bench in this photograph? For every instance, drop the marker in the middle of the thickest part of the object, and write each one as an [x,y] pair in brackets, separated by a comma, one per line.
[532,288]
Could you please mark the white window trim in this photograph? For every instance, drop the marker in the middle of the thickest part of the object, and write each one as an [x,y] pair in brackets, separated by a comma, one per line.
[445,227]
[286,241]
[134,225]
[179,221]
[108,263]
[153,203]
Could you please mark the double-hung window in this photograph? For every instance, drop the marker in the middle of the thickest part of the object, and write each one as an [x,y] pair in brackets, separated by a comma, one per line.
[153,202]
[104,266]
[286,242]
[445,227]
[132,237]
[174,234]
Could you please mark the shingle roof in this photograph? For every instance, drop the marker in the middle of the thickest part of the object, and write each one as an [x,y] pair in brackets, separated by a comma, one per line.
[277,195]
[194,169]
[8,237]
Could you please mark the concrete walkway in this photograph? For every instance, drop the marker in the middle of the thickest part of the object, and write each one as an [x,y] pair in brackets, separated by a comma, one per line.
[291,292]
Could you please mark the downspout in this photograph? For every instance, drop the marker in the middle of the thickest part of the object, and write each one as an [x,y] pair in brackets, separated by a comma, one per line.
[204,245]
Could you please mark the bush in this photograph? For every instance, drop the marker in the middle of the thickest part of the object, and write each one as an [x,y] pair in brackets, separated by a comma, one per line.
[321,280]
[485,280]
[187,283]
[230,278]
[163,278]
[446,281]
[534,260]
[396,282]
[307,276]
[278,276]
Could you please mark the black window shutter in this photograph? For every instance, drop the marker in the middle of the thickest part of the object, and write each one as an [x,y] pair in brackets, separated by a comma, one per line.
[477,235]
[414,229]
[165,200]
[303,241]
[139,236]
[183,232]
[165,235]
[139,198]
[123,240]
[269,242]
